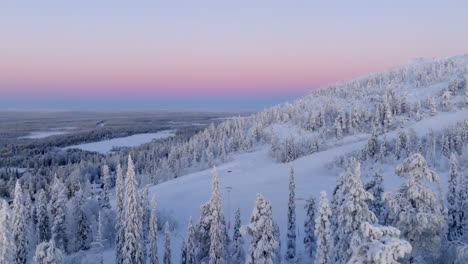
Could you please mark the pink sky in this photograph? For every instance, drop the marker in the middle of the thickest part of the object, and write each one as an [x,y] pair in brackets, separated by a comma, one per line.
[213,48]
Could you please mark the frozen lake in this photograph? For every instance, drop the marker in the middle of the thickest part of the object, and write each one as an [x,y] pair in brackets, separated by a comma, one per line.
[43,134]
[106,146]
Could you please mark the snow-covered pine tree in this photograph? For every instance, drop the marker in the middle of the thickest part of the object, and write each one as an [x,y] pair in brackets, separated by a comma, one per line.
[446,102]
[203,233]
[376,205]
[432,106]
[48,253]
[132,251]
[446,146]
[183,252]
[290,150]
[414,209]
[338,127]
[7,246]
[263,244]
[388,118]
[404,146]
[454,226]
[417,111]
[106,186]
[383,148]
[42,216]
[153,235]
[290,255]
[237,251]
[351,213]
[217,250]
[277,236]
[378,244]
[190,244]
[145,215]
[19,226]
[372,144]
[465,98]
[83,232]
[167,244]
[99,238]
[120,215]
[309,228]
[57,211]
[463,196]
[323,234]
[29,208]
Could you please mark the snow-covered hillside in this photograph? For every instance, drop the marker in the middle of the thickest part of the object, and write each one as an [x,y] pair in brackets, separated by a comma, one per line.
[403,131]
[253,169]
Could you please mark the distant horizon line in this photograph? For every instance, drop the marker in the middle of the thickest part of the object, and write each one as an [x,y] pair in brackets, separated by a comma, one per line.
[143,104]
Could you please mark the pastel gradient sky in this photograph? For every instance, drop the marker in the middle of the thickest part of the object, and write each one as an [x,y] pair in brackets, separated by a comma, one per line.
[86,50]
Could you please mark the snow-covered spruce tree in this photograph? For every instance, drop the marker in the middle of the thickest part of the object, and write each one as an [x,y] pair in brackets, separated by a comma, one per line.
[463,196]
[145,215]
[153,235]
[372,144]
[237,250]
[414,209]
[167,244]
[432,106]
[465,98]
[120,215]
[30,220]
[203,233]
[323,234]
[48,253]
[83,232]
[376,205]
[309,227]
[19,227]
[290,255]
[190,244]
[217,250]
[57,211]
[183,252]
[446,102]
[291,151]
[378,244]
[383,148]
[454,230]
[417,111]
[263,244]
[277,236]
[42,216]
[107,185]
[351,213]
[388,118]
[403,144]
[338,126]
[337,200]
[7,247]
[132,251]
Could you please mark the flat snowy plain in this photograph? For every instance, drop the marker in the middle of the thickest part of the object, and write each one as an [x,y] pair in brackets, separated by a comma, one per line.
[106,146]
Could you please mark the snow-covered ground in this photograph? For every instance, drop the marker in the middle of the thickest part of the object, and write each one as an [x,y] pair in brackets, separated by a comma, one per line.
[43,134]
[106,146]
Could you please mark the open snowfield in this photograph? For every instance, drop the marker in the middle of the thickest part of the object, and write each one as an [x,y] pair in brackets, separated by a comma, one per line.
[43,134]
[106,146]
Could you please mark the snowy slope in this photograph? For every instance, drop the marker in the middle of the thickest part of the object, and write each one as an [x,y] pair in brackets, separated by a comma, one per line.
[257,172]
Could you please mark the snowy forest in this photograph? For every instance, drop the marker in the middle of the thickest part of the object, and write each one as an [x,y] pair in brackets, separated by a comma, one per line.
[393,145]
